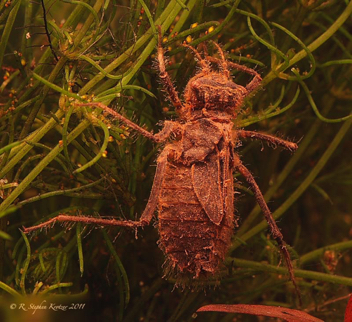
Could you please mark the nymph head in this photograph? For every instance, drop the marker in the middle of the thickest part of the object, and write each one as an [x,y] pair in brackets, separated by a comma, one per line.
[214,90]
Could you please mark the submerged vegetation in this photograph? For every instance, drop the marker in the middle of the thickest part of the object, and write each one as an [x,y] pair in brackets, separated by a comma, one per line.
[60,158]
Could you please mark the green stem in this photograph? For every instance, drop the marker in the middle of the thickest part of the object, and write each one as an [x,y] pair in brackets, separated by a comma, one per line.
[120,267]
[9,289]
[34,111]
[278,111]
[266,44]
[117,89]
[20,151]
[9,146]
[79,247]
[318,253]
[41,165]
[123,57]
[150,18]
[88,22]
[55,87]
[313,46]
[64,135]
[66,192]
[184,16]
[102,149]
[313,105]
[311,57]
[54,287]
[317,276]
[87,6]
[7,30]
[26,264]
[336,62]
[97,66]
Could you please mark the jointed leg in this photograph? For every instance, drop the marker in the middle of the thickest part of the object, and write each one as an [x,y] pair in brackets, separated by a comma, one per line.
[123,119]
[84,220]
[291,146]
[169,126]
[275,231]
[164,76]
[255,82]
[145,219]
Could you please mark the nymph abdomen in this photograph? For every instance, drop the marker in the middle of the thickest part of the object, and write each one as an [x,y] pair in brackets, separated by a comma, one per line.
[192,243]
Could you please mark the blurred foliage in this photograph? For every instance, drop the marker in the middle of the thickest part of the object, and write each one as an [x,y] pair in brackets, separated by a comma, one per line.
[54,53]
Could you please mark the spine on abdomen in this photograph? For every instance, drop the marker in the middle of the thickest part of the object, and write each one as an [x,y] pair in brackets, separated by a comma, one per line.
[193,244]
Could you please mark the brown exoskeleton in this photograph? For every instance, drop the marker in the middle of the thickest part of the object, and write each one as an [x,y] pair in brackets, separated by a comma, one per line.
[193,185]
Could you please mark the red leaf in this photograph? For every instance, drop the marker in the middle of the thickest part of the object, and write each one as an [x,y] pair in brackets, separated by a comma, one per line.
[289,315]
[348,313]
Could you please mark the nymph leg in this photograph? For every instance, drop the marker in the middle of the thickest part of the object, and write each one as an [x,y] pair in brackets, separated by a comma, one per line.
[275,231]
[253,84]
[291,146]
[145,219]
[164,76]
